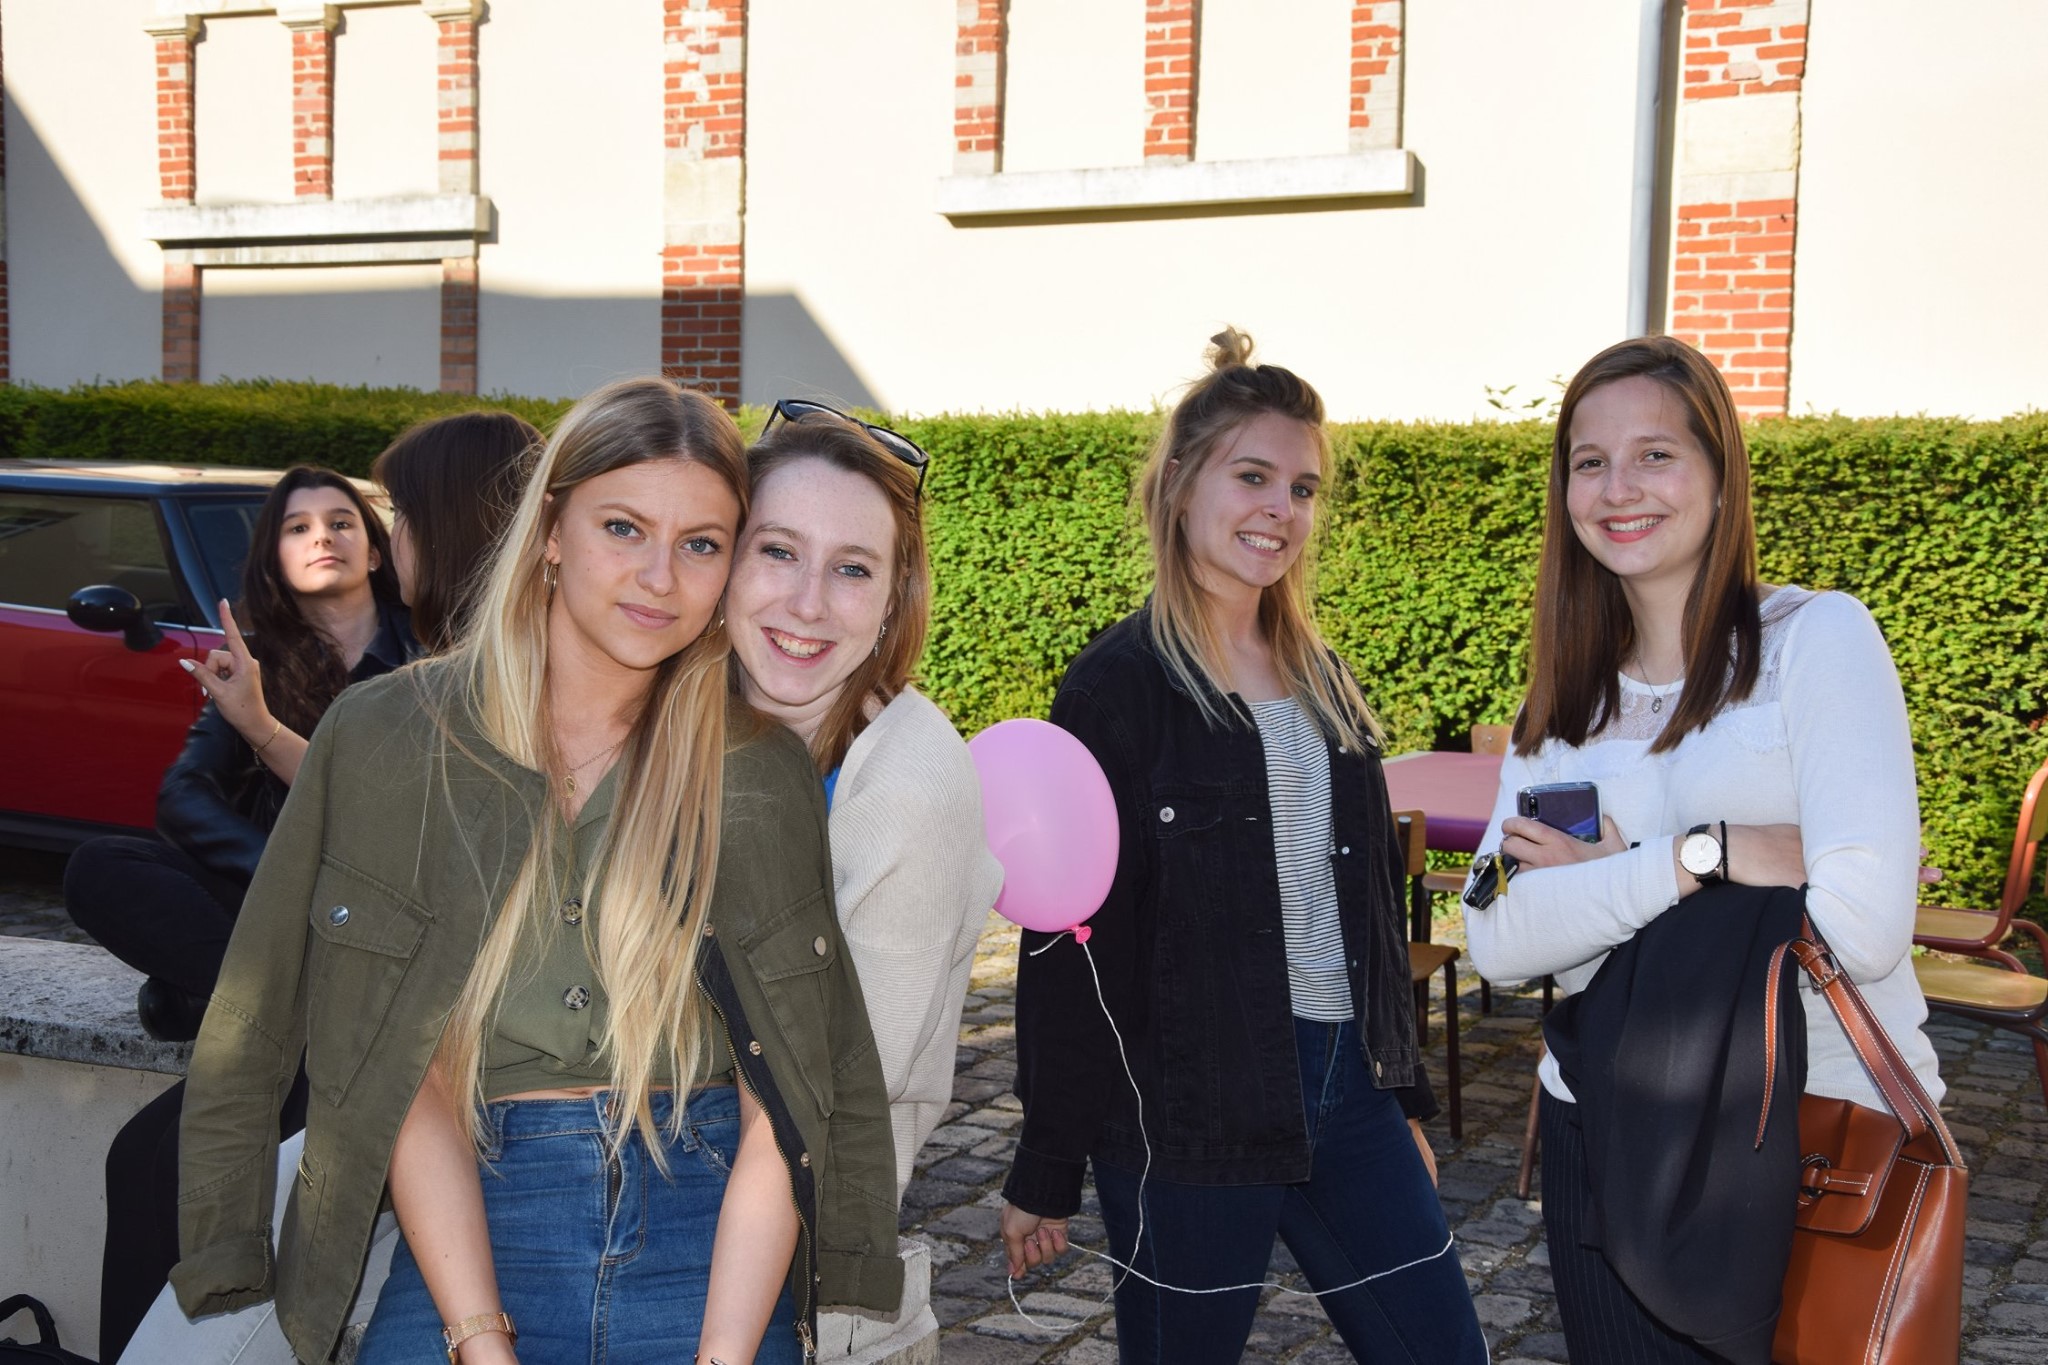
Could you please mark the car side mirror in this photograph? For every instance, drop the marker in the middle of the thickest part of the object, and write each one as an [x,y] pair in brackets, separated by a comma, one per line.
[106,608]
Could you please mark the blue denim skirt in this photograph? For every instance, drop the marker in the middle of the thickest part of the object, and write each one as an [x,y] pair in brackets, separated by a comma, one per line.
[598,1260]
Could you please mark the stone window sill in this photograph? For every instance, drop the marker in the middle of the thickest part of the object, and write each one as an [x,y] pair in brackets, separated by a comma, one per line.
[428,227]
[1374,174]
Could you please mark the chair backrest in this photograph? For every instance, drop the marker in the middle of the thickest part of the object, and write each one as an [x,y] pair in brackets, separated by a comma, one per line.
[1414,841]
[1491,739]
[2026,846]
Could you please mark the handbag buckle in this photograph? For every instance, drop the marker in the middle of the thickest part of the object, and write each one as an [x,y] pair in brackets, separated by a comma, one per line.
[1811,1190]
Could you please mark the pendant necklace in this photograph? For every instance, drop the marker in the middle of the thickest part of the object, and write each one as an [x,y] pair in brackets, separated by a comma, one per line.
[569,782]
[1657,692]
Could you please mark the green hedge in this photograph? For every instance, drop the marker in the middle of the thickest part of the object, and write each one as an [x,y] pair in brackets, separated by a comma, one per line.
[1940,527]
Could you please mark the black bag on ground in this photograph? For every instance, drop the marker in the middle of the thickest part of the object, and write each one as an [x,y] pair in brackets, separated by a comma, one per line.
[44,1350]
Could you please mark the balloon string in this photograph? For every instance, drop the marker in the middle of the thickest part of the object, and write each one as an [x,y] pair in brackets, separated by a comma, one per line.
[1450,1240]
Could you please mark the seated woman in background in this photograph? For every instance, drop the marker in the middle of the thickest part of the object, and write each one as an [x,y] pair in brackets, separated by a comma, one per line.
[1736,731]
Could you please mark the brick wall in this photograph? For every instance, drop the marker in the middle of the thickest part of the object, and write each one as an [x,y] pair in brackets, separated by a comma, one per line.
[455,101]
[312,98]
[177,169]
[703,259]
[1738,202]
[1376,74]
[978,87]
[1171,35]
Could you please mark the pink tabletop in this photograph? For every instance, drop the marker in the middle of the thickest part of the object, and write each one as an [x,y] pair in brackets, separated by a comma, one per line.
[1454,791]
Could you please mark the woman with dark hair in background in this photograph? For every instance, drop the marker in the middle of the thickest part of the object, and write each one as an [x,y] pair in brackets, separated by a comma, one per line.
[321,600]
[453,483]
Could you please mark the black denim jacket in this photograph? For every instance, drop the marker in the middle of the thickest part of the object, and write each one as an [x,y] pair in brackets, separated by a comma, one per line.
[1192,953]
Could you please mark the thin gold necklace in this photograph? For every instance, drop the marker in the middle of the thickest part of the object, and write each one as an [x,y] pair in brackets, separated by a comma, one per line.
[569,782]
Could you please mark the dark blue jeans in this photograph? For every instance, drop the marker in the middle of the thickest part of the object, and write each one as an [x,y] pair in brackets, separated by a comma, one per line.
[1367,1205]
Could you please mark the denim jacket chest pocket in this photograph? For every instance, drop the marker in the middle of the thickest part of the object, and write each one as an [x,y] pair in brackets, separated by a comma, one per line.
[364,938]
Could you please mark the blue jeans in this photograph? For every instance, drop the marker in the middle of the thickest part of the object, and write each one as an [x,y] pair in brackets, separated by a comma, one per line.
[597,1261]
[1367,1205]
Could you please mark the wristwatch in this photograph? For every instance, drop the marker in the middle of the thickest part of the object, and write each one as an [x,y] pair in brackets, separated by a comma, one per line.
[1704,855]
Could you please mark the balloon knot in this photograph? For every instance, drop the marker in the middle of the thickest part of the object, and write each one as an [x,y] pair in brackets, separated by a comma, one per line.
[1081,933]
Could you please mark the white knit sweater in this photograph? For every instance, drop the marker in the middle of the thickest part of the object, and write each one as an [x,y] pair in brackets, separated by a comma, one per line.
[914,882]
[1822,743]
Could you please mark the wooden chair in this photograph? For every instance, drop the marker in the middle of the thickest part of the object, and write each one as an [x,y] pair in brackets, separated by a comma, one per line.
[2002,991]
[1426,959]
[1486,739]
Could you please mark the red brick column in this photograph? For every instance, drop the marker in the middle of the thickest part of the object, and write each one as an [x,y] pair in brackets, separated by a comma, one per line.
[704,128]
[1738,193]
[455,73]
[312,29]
[1376,32]
[177,168]
[978,73]
[1171,30]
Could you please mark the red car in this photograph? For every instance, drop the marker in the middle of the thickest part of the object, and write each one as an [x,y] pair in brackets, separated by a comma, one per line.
[109,574]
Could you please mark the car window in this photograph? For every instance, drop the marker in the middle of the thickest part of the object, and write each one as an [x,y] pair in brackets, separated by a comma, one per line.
[53,544]
[222,530]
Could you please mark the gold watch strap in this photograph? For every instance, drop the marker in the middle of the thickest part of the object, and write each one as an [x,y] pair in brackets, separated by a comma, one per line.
[455,1333]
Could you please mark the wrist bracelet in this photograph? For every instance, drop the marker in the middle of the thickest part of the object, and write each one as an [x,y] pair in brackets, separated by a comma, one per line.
[274,731]
[454,1334]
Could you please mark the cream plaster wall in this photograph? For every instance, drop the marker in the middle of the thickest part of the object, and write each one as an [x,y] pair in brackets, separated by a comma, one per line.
[358,324]
[83,286]
[60,1118]
[1274,80]
[571,155]
[1920,280]
[1076,92]
[242,109]
[1510,266]
[385,104]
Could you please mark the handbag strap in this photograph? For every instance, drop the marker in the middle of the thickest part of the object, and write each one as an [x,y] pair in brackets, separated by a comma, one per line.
[46,1329]
[1888,1070]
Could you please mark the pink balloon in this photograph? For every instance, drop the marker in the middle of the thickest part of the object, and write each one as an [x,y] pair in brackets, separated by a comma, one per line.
[1050,820]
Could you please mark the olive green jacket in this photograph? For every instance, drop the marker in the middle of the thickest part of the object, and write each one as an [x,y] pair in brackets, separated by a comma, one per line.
[391,858]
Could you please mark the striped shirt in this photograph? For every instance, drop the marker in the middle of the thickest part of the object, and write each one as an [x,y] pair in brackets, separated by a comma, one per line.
[1298,785]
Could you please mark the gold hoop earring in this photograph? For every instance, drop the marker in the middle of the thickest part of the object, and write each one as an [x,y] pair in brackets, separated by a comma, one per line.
[550,575]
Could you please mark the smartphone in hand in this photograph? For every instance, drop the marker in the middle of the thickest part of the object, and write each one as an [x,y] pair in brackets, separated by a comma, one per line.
[1568,807]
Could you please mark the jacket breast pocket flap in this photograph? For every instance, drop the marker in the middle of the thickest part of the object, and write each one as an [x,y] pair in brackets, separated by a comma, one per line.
[364,939]
[792,942]
[1192,860]
[789,956]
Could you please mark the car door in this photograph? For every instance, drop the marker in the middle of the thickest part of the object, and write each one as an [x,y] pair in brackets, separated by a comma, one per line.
[87,723]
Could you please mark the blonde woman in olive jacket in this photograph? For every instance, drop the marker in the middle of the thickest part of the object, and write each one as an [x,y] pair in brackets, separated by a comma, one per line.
[451,862]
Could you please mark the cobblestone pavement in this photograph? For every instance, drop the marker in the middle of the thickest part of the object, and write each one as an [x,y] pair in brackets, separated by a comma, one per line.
[1994,1106]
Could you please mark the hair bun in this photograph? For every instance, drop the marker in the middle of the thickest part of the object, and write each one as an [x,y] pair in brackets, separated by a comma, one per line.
[1229,347]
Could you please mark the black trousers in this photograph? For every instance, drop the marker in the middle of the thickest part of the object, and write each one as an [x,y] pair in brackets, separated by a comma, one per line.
[153,907]
[1604,1324]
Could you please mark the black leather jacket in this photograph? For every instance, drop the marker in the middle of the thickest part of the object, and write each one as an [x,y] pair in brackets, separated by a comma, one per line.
[1192,952]
[218,801]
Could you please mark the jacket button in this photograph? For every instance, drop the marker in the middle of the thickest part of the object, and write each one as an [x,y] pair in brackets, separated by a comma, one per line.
[818,945]
[572,911]
[1346,850]
[1376,1070]
[338,916]
[754,1047]
[1166,815]
[803,1159]
[576,997]
[1342,750]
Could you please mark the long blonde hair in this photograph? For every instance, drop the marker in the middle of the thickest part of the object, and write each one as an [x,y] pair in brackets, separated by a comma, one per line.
[1234,392]
[660,848]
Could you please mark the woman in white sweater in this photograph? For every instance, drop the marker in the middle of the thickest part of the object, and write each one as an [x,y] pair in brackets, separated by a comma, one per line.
[1693,697]
[827,608]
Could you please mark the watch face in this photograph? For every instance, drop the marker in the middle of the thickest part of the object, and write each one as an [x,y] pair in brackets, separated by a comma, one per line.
[1699,854]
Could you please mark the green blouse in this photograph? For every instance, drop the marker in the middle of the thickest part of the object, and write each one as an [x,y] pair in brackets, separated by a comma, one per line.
[552,1015]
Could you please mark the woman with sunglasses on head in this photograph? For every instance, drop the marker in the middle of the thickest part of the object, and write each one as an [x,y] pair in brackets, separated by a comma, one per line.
[1252,949]
[1735,731]
[828,607]
[554,923]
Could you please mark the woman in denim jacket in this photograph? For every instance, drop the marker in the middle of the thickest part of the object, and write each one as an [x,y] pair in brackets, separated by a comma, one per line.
[1251,951]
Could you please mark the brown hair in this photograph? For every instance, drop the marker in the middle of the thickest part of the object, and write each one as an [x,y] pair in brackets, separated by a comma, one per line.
[303,671]
[1234,392]
[886,671]
[1583,629]
[455,480]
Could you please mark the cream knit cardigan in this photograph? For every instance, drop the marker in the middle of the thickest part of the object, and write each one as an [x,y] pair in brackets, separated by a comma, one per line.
[914,881]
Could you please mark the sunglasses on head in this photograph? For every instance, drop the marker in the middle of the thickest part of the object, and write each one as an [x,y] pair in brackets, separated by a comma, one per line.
[797,410]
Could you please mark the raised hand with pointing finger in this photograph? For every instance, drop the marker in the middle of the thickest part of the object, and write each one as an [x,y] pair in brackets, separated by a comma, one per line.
[232,680]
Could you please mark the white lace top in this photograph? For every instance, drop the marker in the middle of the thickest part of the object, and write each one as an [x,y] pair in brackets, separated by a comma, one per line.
[1822,742]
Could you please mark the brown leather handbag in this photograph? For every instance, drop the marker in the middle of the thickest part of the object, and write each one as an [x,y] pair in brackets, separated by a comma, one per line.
[1877,1253]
